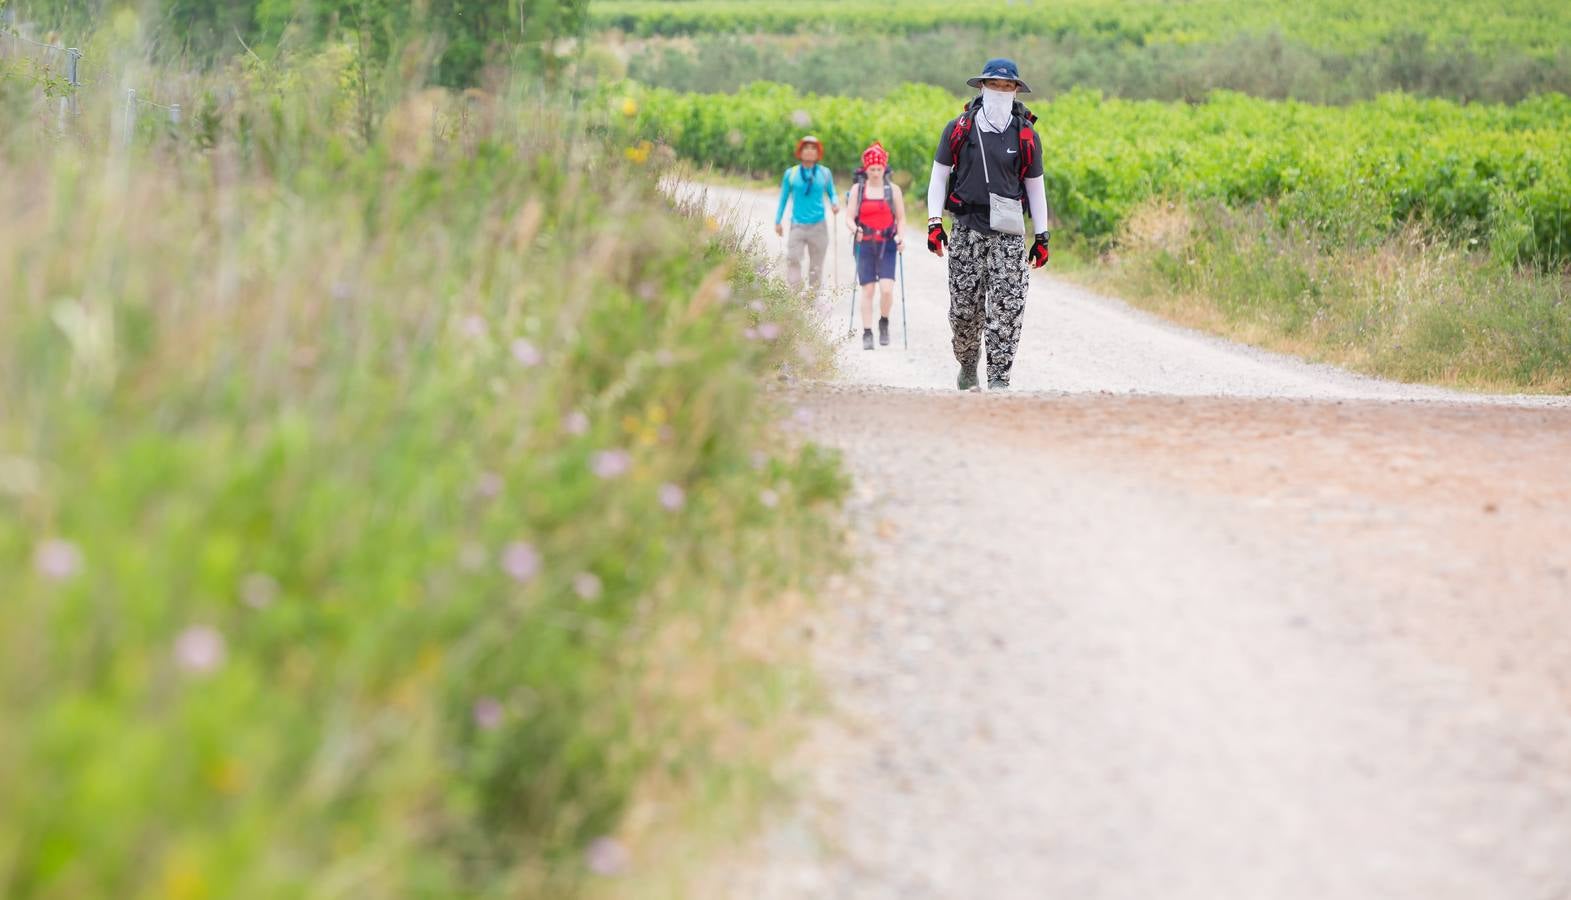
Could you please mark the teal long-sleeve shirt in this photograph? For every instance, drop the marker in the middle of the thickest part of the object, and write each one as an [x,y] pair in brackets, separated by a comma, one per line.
[806,187]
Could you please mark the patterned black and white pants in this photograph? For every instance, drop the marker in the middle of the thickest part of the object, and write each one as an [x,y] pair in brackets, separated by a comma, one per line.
[987,290]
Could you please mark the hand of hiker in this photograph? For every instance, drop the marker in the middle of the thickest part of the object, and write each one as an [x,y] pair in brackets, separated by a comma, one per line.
[936,238]
[779,229]
[1039,252]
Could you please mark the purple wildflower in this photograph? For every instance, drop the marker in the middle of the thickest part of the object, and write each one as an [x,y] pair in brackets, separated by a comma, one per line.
[575,422]
[489,485]
[487,713]
[672,497]
[520,560]
[57,560]
[769,330]
[610,464]
[526,353]
[199,649]
[606,856]
[769,498]
[472,326]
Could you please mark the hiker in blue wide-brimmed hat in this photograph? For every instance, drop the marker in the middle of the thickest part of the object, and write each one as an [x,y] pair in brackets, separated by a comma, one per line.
[989,160]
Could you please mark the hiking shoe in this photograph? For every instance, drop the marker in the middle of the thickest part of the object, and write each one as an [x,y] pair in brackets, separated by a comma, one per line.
[967,379]
[883,331]
[867,339]
[997,384]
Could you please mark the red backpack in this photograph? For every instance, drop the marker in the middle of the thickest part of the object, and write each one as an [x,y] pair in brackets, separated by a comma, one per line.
[962,131]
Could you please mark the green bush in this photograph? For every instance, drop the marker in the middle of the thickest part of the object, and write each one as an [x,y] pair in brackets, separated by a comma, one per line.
[372,521]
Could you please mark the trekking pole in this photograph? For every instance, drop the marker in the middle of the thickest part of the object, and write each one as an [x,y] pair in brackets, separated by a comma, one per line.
[905,322]
[835,262]
[856,250]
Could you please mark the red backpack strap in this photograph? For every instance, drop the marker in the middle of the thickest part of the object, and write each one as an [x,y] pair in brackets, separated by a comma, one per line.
[1027,149]
[957,136]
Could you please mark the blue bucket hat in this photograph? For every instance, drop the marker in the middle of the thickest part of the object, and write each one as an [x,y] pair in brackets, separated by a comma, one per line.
[999,68]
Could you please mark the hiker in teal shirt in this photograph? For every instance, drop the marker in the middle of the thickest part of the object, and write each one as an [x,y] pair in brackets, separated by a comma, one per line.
[805,186]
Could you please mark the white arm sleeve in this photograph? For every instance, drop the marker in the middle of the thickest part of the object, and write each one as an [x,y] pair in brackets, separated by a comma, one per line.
[935,190]
[1036,191]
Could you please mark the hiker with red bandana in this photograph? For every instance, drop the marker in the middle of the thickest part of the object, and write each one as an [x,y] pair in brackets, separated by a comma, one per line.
[989,159]
[877,217]
[805,187]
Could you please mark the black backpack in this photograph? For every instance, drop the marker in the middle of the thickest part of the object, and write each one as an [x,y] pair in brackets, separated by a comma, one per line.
[957,142]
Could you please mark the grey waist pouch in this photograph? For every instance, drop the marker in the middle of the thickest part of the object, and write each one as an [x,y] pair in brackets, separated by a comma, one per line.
[1004,215]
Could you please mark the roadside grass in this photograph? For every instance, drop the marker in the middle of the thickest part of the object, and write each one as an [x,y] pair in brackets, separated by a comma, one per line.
[1408,306]
[382,519]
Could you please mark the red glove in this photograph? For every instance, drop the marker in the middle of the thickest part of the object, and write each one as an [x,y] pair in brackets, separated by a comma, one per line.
[936,238]
[1039,252]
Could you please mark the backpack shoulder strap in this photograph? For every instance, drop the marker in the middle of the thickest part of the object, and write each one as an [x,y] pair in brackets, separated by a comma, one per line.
[958,134]
[1027,148]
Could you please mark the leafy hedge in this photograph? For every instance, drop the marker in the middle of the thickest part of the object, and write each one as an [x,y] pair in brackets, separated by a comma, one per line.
[1494,173]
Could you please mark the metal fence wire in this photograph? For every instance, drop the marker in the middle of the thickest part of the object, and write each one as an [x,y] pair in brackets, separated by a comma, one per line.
[73,56]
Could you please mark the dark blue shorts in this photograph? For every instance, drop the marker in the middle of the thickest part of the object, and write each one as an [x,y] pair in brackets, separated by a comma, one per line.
[875,260]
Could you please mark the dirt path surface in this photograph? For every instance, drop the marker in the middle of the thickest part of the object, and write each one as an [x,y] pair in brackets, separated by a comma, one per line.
[1261,630]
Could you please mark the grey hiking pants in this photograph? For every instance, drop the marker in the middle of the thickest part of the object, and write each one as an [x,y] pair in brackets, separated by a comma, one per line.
[815,239]
[987,291]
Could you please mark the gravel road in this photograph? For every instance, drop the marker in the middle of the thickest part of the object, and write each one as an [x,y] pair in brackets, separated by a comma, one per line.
[1176,618]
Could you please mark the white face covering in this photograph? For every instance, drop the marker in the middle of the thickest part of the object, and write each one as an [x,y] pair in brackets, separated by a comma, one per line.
[997,106]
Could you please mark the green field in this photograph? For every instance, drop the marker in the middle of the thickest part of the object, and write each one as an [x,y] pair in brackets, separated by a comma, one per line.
[1533,27]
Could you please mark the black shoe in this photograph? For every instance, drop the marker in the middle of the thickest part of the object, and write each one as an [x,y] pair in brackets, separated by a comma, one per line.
[867,339]
[997,384]
[967,379]
[883,331]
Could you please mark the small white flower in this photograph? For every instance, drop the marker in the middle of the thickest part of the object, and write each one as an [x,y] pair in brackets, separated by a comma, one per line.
[575,422]
[472,556]
[258,590]
[769,498]
[586,585]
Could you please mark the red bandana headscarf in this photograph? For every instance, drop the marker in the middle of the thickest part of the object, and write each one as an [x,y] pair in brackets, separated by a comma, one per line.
[875,155]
